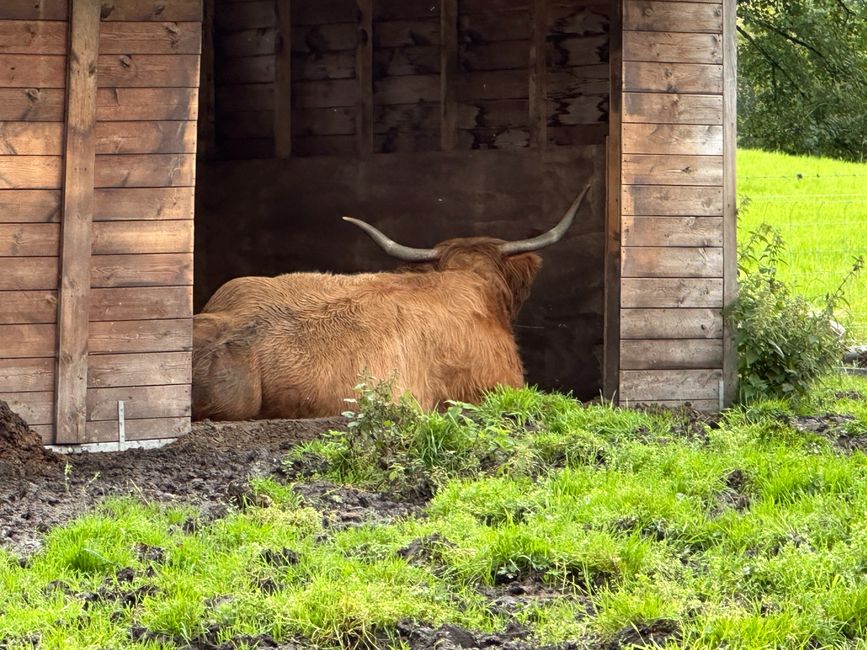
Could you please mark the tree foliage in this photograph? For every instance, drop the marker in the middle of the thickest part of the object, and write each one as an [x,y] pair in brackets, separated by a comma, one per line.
[802,67]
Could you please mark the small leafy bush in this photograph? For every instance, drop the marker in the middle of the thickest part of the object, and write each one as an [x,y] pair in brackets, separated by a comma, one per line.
[784,343]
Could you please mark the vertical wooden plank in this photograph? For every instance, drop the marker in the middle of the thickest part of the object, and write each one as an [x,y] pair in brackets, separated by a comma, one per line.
[76,225]
[614,225]
[283,81]
[448,70]
[538,68]
[364,77]
[730,262]
[207,123]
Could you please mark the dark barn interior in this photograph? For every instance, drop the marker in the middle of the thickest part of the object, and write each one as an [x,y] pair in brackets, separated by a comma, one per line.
[431,120]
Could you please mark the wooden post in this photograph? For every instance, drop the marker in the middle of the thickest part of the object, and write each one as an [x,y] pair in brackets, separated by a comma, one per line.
[614,157]
[448,71]
[283,81]
[730,252]
[364,74]
[207,144]
[538,68]
[76,224]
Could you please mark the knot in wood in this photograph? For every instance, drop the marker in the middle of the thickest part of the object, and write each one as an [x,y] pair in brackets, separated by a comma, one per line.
[33,94]
[105,10]
[647,11]
[125,61]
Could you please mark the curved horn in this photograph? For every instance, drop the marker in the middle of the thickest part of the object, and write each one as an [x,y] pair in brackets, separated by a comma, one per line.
[546,239]
[401,252]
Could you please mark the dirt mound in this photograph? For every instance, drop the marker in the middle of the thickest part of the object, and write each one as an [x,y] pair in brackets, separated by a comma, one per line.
[21,451]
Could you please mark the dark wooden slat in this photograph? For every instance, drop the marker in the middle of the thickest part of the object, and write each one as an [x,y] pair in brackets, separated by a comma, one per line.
[34,9]
[504,84]
[145,170]
[671,292]
[658,200]
[139,303]
[673,78]
[661,108]
[32,37]
[23,307]
[538,92]
[29,273]
[673,231]
[325,145]
[678,323]
[657,16]
[672,262]
[247,124]
[407,90]
[74,294]
[111,337]
[141,270]
[140,402]
[325,94]
[249,42]
[324,121]
[408,60]
[448,73]
[130,203]
[364,75]
[161,10]
[150,38]
[318,12]
[32,71]
[283,81]
[158,236]
[403,33]
[639,169]
[672,47]
[249,70]
[662,354]
[153,369]
[149,71]
[245,15]
[25,375]
[406,9]
[652,385]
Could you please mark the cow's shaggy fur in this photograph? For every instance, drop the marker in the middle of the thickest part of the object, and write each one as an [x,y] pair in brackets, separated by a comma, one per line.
[295,345]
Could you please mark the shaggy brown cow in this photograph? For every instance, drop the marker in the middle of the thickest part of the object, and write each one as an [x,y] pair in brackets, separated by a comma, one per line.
[294,345]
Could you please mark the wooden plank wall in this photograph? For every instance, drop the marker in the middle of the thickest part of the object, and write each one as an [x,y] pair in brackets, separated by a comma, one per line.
[140,307]
[672,203]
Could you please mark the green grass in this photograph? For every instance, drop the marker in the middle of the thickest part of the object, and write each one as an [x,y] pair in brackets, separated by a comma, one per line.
[629,516]
[820,206]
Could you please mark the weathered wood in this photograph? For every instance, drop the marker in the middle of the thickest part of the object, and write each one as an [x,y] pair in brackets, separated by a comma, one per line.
[577,135]
[571,19]
[652,385]
[148,429]
[657,16]
[684,139]
[283,81]
[139,402]
[673,78]
[329,38]
[672,47]
[583,109]
[406,9]
[671,292]
[324,121]
[319,67]
[407,90]
[493,113]
[146,170]
[31,172]
[141,270]
[484,6]
[249,42]
[424,116]
[395,141]
[672,262]
[661,108]
[206,125]
[27,375]
[573,82]
[247,124]
[120,237]
[538,92]
[149,71]
[34,9]
[498,84]
[703,405]
[146,137]
[150,38]
[143,203]
[641,169]
[152,369]
[664,354]
[74,293]
[403,33]
[326,94]
[140,303]
[28,71]
[27,341]
[325,145]
[364,75]
[449,17]
[673,231]
[495,56]
[36,408]
[492,27]
[251,97]
[122,104]
[32,37]
[318,12]
[29,240]
[31,138]
[661,200]
[248,148]
[173,335]
[494,138]
[730,262]
[31,104]
[249,70]
[139,10]
[31,273]
[680,323]
[22,206]
[409,60]
[22,307]
[231,17]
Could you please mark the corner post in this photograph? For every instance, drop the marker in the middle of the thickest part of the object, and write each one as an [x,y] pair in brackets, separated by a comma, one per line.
[730,223]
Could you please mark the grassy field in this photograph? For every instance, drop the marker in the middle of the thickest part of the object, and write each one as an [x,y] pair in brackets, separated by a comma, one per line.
[820,206]
[748,532]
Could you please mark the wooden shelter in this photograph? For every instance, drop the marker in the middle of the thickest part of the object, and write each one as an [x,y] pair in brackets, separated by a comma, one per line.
[124,122]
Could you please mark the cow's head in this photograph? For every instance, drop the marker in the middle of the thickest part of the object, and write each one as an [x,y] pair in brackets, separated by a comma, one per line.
[509,267]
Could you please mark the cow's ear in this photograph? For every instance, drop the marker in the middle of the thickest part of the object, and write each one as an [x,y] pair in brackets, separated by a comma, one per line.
[520,270]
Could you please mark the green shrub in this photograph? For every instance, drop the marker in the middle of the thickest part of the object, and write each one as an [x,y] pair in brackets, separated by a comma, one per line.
[784,342]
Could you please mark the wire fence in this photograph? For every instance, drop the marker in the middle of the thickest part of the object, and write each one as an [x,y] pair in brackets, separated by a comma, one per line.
[823,221]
